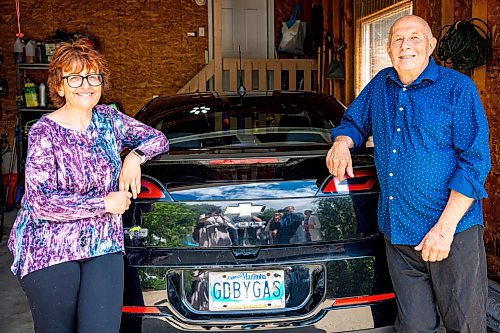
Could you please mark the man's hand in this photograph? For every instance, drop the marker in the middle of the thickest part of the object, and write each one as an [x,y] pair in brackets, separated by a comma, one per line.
[130,176]
[436,244]
[338,159]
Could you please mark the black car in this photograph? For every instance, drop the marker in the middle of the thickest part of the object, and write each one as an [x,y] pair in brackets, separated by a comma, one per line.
[241,227]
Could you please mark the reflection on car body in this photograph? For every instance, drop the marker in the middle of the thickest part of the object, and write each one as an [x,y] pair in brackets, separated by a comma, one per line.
[240,226]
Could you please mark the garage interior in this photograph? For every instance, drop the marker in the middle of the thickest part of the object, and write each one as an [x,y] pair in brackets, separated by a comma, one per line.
[166,47]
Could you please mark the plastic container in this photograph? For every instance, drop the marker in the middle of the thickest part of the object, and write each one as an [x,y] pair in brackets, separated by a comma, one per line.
[30,95]
[42,95]
[18,50]
[31,52]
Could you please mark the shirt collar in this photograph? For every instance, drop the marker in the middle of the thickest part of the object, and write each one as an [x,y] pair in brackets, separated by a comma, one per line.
[431,73]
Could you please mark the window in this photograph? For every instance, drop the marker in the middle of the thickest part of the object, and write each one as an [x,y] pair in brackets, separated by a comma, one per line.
[371,38]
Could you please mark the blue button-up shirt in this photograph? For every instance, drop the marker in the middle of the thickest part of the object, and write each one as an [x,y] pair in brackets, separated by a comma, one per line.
[430,137]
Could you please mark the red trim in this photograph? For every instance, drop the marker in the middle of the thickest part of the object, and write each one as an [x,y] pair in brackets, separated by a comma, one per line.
[149,190]
[245,161]
[347,301]
[369,181]
[141,309]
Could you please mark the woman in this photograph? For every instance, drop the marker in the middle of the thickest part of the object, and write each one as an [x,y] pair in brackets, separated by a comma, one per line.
[67,239]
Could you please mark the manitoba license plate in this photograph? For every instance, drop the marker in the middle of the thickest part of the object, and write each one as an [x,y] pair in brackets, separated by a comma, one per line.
[249,290]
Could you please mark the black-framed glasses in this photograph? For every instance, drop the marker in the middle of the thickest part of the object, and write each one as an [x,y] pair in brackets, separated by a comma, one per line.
[76,81]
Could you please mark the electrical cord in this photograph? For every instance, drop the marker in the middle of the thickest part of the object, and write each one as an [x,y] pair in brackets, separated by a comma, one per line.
[465,45]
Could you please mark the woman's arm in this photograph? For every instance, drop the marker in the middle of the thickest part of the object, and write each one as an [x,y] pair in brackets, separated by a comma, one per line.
[136,135]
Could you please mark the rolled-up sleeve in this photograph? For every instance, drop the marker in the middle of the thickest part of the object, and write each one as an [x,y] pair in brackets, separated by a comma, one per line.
[470,139]
[356,122]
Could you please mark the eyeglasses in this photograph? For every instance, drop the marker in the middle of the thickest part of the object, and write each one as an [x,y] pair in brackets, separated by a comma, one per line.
[76,81]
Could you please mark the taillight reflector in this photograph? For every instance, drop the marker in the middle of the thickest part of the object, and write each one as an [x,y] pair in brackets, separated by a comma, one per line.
[348,301]
[149,190]
[363,180]
[141,309]
[245,161]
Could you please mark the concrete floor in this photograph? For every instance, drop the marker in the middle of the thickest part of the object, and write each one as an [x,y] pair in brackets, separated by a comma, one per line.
[15,315]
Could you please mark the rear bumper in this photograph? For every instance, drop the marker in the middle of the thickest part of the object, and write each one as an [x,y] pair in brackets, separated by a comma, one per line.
[371,318]
[151,325]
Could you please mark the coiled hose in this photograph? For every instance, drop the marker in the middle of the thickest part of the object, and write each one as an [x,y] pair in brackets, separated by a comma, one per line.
[465,45]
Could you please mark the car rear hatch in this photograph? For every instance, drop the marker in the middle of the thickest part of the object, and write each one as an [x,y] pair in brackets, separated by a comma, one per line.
[253,238]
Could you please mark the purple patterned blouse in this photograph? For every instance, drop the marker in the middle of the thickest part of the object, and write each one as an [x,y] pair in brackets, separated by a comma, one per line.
[68,174]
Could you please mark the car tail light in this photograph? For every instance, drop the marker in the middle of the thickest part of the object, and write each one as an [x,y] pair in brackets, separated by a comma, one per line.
[141,309]
[245,161]
[358,300]
[363,180]
[150,190]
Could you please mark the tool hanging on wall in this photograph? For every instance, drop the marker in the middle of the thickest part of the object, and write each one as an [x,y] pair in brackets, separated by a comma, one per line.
[336,68]
[465,45]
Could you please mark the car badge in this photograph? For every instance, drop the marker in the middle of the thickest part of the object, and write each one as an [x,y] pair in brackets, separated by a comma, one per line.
[244,209]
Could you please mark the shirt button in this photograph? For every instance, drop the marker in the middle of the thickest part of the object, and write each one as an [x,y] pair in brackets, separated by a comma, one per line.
[391,198]
[401,109]
[391,174]
[398,129]
[394,151]
[404,88]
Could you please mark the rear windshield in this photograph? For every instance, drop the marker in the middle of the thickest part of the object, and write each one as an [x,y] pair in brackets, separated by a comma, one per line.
[257,122]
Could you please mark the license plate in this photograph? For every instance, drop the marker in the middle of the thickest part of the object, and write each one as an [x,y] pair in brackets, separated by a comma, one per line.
[248,290]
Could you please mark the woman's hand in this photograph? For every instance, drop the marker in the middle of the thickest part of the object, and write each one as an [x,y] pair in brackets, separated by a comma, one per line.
[130,176]
[117,202]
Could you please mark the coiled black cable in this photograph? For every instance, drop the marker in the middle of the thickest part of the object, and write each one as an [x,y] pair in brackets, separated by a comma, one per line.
[465,45]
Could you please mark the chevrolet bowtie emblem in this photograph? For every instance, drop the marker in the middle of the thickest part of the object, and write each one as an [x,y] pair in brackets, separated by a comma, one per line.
[243,209]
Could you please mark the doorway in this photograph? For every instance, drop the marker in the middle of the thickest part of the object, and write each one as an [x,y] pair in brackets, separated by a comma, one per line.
[248,24]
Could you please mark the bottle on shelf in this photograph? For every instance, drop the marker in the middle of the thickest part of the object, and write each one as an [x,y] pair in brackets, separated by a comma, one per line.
[31,52]
[42,94]
[18,50]
[30,95]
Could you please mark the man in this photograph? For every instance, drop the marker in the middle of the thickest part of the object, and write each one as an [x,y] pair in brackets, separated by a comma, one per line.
[289,223]
[432,155]
[312,226]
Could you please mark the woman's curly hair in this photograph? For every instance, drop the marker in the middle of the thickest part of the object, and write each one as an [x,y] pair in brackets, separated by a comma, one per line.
[74,57]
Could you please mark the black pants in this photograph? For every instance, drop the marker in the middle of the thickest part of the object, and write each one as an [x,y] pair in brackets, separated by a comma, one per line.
[83,296]
[454,290]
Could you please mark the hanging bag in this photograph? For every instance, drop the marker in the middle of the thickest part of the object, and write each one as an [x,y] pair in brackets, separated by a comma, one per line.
[293,33]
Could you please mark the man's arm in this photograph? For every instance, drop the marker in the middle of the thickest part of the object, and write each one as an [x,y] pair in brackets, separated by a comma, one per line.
[436,244]
[338,159]
[353,131]
[470,141]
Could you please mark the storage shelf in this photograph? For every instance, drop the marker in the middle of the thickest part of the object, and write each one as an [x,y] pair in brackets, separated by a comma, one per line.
[36,109]
[33,66]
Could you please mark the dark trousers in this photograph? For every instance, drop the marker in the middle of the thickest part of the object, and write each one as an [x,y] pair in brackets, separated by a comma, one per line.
[83,296]
[453,291]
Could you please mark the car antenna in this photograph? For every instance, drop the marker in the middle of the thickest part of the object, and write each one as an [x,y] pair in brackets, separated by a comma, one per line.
[241,89]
